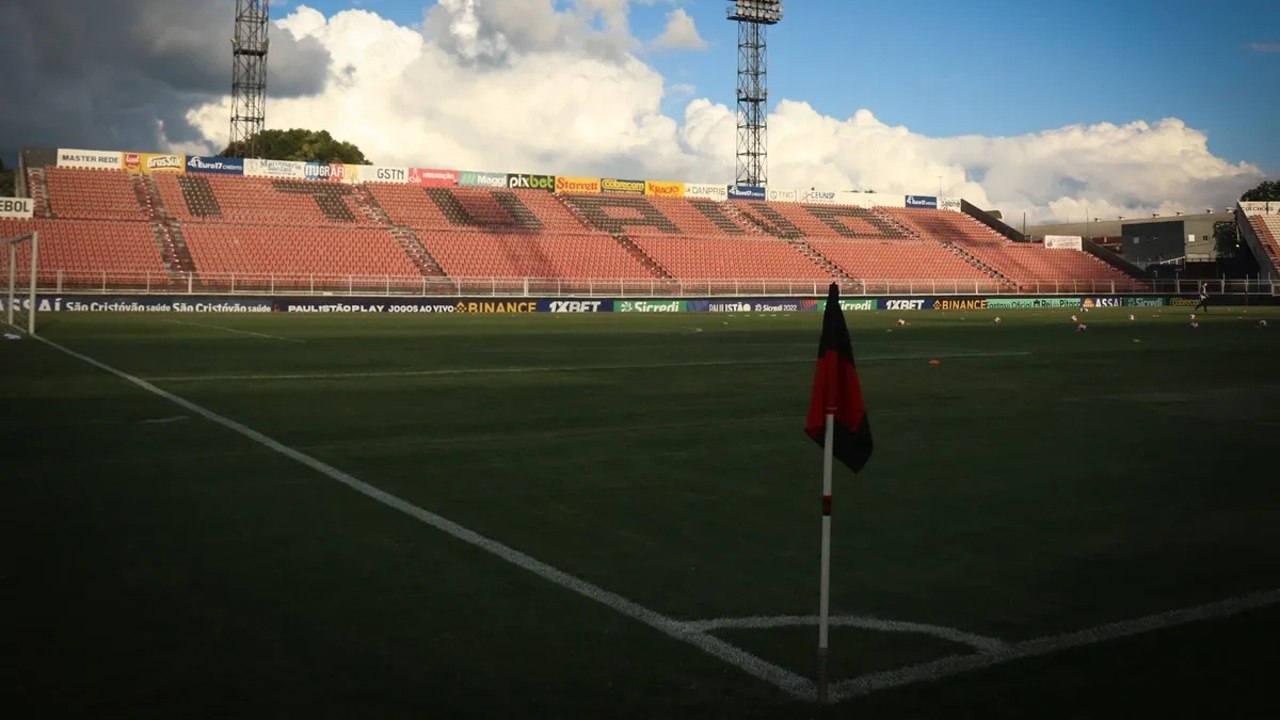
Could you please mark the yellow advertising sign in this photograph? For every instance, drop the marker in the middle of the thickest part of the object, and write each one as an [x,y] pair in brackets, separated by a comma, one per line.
[615,185]
[153,162]
[663,189]
[577,184]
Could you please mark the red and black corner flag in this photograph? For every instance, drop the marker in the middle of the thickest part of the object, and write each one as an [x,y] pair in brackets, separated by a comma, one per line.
[836,390]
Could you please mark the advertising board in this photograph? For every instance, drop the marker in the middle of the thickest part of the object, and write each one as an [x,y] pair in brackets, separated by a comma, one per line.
[92,159]
[145,304]
[847,305]
[153,162]
[327,172]
[929,202]
[566,184]
[949,203]
[575,306]
[215,165]
[746,192]
[719,193]
[284,169]
[1040,302]
[1255,207]
[467,178]
[525,181]
[660,188]
[649,306]
[818,197]
[1145,301]
[960,304]
[20,208]
[433,177]
[384,174]
[1063,242]
[1101,302]
[905,303]
[621,186]
[780,195]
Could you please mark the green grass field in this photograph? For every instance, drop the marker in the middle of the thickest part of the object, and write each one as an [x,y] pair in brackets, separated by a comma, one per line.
[1035,483]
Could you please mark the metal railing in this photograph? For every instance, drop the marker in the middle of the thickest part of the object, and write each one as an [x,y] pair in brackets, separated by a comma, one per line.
[107,281]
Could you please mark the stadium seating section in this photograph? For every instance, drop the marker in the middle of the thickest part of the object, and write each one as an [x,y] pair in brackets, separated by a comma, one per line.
[1267,228]
[104,224]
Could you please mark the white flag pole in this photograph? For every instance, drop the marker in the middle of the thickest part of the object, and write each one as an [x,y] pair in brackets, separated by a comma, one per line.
[824,589]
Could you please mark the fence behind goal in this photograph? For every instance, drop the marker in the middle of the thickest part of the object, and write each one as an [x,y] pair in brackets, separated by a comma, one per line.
[18,292]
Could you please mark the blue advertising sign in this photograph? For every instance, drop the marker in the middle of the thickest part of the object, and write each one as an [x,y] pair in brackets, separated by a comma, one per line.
[215,165]
[922,201]
[746,192]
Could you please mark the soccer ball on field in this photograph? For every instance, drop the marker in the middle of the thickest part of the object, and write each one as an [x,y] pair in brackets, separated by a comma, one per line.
[1130,316]
[901,322]
[1195,324]
[1193,316]
[1075,319]
[997,320]
[1262,323]
[1081,327]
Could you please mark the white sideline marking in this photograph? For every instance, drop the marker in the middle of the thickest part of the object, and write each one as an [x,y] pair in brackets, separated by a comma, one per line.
[165,420]
[761,622]
[793,684]
[557,368]
[238,332]
[955,664]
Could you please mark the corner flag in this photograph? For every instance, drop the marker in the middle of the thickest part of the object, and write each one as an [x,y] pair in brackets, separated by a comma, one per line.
[836,390]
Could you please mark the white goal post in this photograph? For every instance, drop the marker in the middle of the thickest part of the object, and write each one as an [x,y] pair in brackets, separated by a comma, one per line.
[12,304]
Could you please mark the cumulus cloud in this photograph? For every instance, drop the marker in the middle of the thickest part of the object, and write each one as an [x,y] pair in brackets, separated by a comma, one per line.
[545,86]
[114,72]
[680,33]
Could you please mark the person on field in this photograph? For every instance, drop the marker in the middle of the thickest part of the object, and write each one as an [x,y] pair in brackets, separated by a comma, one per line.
[1204,297]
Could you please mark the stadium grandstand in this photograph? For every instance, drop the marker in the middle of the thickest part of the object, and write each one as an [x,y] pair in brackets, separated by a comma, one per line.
[117,220]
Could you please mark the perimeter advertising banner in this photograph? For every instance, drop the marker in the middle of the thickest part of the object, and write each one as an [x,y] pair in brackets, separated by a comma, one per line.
[284,169]
[818,197]
[467,178]
[1004,303]
[746,192]
[145,304]
[905,303]
[215,165]
[20,208]
[928,202]
[650,306]
[851,305]
[781,195]
[384,174]
[719,193]
[575,306]
[620,186]
[658,188]
[92,159]
[565,184]
[432,177]
[149,163]
[748,305]
[525,181]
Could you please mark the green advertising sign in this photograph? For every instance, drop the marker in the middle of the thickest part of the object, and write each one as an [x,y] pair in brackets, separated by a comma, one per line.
[651,306]
[1145,301]
[851,305]
[1042,302]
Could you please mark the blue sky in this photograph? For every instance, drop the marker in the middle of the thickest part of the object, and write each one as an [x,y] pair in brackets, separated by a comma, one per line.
[997,67]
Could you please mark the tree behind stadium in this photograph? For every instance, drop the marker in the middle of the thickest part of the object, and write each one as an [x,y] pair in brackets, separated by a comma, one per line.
[1268,191]
[301,145]
[6,180]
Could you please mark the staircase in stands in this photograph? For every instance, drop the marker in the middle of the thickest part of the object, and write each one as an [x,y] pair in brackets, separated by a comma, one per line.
[810,252]
[974,261]
[405,237]
[643,257]
[164,228]
[38,190]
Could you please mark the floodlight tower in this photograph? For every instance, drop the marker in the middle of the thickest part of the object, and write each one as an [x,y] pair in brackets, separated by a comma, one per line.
[752,17]
[249,75]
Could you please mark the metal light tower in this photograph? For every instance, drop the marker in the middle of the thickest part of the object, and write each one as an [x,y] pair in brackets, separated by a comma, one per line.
[249,75]
[753,94]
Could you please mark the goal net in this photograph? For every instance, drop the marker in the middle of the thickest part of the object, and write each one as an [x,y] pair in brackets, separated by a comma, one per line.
[18,282]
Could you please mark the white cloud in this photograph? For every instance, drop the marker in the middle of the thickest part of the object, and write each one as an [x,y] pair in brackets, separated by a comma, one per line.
[680,34]
[480,87]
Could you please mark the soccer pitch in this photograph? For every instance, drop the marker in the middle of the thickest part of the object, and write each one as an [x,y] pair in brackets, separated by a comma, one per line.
[618,516]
